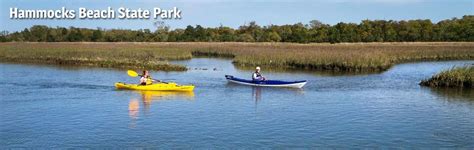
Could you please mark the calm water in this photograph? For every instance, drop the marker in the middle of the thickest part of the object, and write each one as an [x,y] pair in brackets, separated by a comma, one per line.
[52,107]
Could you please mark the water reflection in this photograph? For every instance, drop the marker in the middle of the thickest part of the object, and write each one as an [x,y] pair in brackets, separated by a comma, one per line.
[454,94]
[258,91]
[133,107]
[256,94]
[148,97]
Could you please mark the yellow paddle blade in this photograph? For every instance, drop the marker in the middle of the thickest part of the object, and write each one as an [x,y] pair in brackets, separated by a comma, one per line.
[132,73]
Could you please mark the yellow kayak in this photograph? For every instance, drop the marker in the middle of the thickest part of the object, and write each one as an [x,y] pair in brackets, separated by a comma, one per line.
[155,87]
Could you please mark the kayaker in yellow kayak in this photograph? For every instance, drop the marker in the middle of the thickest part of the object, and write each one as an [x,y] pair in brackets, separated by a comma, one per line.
[257,76]
[146,84]
[146,78]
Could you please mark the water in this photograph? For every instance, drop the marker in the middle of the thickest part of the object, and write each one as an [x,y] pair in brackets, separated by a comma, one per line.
[73,107]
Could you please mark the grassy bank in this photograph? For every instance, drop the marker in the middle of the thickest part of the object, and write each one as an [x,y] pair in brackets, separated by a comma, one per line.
[455,77]
[117,55]
[354,57]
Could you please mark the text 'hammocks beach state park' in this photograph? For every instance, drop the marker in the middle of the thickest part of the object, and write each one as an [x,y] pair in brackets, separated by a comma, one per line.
[84,13]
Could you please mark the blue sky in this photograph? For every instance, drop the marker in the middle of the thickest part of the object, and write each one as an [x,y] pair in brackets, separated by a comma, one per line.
[212,13]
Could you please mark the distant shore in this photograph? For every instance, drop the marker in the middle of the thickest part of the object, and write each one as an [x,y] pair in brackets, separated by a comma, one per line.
[342,57]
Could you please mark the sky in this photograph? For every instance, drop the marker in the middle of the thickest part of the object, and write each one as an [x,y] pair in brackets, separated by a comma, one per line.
[233,13]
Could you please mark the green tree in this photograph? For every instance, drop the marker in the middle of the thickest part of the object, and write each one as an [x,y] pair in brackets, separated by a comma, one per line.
[245,38]
[316,24]
[38,33]
[4,36]
[455,29]
[96,35]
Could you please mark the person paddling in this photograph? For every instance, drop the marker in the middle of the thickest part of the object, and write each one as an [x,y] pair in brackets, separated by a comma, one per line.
[146,78]
[256,76]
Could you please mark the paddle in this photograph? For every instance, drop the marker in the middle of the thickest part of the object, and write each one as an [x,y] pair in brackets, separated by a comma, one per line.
[135,74]
[132,73]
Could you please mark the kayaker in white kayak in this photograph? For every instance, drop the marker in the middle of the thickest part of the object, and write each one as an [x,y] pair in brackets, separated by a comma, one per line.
[257,76]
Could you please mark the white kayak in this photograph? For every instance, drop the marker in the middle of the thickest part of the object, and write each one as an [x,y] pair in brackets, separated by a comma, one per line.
[268,83]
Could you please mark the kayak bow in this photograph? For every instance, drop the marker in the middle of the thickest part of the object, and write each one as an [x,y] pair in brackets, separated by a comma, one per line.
[269,83]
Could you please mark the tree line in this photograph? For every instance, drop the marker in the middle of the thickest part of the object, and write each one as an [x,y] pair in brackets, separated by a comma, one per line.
[455,29]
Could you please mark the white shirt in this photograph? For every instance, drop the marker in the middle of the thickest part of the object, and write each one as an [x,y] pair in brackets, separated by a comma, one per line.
[143,80]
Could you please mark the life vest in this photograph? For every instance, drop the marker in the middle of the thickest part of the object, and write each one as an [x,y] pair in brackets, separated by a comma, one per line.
[256,75]
[148,81]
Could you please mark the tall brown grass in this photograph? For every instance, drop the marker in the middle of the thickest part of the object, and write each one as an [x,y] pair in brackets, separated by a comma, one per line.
[345,57]
[454,77]
[118,55]
[354,57]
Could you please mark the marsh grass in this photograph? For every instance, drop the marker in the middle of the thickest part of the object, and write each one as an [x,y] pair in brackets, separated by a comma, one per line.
[353,57]
[344,57]
[117,55]
[454,77]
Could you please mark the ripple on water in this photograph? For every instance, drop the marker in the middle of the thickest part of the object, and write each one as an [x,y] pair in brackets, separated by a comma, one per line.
[81,109]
